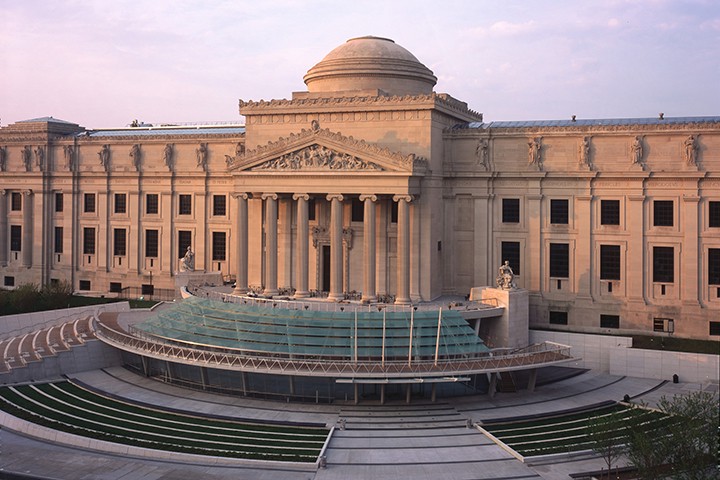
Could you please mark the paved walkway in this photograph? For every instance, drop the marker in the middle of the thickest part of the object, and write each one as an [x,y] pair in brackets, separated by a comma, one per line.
[420,441]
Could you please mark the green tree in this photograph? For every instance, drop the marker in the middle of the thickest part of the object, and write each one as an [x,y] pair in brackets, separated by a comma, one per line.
[606,437]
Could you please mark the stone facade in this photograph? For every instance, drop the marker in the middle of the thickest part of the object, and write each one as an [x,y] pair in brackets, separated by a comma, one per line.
[368,192]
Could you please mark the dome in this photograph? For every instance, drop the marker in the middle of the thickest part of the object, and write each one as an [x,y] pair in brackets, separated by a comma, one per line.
[370,63]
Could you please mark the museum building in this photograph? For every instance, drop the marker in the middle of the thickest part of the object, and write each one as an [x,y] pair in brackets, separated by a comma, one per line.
[370,186]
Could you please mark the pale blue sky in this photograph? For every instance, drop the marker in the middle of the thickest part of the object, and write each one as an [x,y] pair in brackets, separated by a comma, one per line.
[105,63]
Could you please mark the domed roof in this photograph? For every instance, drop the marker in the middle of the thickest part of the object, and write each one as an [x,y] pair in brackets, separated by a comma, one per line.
[370,63]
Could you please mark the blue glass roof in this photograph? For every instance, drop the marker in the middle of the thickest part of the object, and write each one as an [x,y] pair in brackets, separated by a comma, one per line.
[151,131]
[602,122]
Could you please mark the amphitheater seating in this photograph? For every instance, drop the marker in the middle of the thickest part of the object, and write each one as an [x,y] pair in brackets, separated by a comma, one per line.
[73,408]
[300,333]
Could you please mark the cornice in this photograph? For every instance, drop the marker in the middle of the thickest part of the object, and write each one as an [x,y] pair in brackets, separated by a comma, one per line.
[377,102]
[141,139]
[696,127]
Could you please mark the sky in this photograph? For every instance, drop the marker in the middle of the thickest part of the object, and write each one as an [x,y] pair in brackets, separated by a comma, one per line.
[105,63]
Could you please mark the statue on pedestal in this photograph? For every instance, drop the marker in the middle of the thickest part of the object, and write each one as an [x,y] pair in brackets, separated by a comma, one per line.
[506,278]
[187,263]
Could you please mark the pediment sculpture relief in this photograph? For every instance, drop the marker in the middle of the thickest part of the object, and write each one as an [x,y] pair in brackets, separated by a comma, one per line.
[317,158]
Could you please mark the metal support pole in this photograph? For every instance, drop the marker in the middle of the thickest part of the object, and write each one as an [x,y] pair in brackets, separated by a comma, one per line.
[437,340]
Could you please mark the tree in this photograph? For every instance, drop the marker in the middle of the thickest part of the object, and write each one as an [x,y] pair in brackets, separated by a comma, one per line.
[682,443]
[605,434]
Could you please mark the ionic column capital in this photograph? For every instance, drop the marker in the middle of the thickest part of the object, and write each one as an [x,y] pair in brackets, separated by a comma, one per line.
[27,192]
[371,197]
[240,195]
[3,192]
[407,198]
[298,196]
[335,196]
[271,196]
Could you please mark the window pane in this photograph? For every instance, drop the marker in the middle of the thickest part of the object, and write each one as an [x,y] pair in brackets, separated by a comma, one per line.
[609,321]
[58,239]
[16,201]
[610,212]
[559,212]
[184,241]
[663,264]
[558,318]
[151,203]
[218,244]
[559,260]
[89,241]
[609,262]
[663,213]
[89,203]
[120,242]
[358,210]
[120,203]
[510,251]
[219,205]
[714,210]
[511,210]
[151,243]
[185,206]
[714,266]
[15,238]
[58,202]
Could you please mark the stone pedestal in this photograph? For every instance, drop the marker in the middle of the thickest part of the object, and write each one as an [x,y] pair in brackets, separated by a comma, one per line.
[511,328]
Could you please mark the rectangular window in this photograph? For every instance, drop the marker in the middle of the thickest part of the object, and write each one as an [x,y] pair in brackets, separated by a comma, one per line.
[609,212]
[115,287]
[151,243]
[15,238]
[119,242]
[393,212]
[510,251]
[311,209]
[715,328]
[558,318]
[218,246]
[511,210]
[609,321]
[219,205]
[84,285]
[663,264]
[559,212]
[120,203]
[714,266]
[89,203]
[358,210]
[663,213]
[58,240]
[9,281]
[714,211]
[88,241]
[16,201]
[59,202]
[609,262]
[663,325]
[559,260]
[184,241]
[152,203]
[185,205]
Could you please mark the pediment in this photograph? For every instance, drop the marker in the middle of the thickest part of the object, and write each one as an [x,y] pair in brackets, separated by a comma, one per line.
[318,150]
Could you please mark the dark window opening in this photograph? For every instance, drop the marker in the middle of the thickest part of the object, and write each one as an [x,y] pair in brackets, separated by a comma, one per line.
[311,209]
[16,201]
[559,212]
[15,238]
[184,241]
[393,212]
[59,202]
[558,318]
[115,287]
[185,205]
[88,242]
[119,242]
[610,212]
[663,213]
[510,251]
[511,210]
[559,260]
[89,203]
[715,328]
[609,262]
[152,204]
[714,266]
[218,246]
[609,321]
[358,210]
[151,243]
[663,264]
[120,203]
[714,211]
[84,285]
[9,281]
[219,205]
[58,240]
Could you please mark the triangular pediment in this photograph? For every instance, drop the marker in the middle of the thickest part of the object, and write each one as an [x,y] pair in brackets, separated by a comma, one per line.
[318,150]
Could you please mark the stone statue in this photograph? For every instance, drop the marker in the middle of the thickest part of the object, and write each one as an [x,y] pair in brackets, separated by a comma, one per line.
[135,156]
[27,158]
[690,151]
[534,152]
[481,152]
[201,153]
[637,151]
[506,278]
[104,155]
[69,152]
[40,157]
[3,159]
[239,149]
[187,263]
[584,153]
[167,156]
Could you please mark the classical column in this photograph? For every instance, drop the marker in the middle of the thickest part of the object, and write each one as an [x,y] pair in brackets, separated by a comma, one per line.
[368,293]
[3,228]
[241,278]
[27,232]
[302,231]
[271,253]
[336,247]
[402,295]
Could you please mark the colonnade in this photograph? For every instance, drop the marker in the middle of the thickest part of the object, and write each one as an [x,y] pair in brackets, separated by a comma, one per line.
[336,293]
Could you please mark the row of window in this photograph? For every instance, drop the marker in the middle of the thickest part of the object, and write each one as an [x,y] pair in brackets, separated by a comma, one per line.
[152,204]
[613,321]
[663,262]
[663,212]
